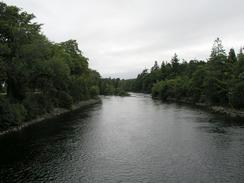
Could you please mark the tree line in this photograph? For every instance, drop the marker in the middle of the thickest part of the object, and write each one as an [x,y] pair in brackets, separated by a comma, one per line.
[111,86]
[37,75]
[217,81]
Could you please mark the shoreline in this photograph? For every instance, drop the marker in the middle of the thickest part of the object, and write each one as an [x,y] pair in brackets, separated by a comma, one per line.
[229,112]
[56,112]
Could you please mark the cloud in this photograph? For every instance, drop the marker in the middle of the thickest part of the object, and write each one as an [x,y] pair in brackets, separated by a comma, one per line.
[122,37]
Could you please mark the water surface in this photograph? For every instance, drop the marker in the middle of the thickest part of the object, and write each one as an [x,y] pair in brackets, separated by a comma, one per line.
[127,139]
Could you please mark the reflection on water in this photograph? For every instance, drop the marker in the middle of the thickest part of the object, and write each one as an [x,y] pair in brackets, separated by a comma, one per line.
[127,139]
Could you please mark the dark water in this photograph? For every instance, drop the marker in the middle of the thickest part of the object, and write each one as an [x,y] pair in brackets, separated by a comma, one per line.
[132,139]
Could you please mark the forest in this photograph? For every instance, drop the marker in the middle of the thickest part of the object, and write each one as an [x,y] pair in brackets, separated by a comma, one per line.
[37,75]
[216,81]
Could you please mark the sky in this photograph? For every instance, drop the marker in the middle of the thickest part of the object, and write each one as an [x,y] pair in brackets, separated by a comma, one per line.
[123,37]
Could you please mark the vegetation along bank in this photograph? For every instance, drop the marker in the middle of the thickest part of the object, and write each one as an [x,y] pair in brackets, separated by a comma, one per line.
[217,83]
[37,75]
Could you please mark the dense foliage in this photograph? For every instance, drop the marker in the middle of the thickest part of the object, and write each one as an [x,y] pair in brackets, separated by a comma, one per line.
[117,86]
[219,81]
[37,75]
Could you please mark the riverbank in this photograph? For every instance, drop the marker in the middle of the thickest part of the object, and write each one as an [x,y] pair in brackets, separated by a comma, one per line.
[229,112]
[56,112]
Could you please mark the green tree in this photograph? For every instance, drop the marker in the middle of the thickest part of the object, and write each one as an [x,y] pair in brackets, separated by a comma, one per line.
[155,66]
[217,49]
[175,64]
[16,29]
[39,74]
[232,56]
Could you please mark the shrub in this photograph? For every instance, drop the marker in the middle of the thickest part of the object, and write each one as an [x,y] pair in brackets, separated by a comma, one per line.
[78,89]
[37,104]
[11,114]
[236,96]
[64,100]
[122,93]
[156,89]
[94,91]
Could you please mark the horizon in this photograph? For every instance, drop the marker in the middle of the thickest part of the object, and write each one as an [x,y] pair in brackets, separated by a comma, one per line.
[124,37]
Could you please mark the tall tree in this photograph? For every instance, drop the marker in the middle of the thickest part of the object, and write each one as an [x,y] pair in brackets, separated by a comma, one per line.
[217,49]
[155,66]
[232,56]
[16,29]
[241,55]
[175,64]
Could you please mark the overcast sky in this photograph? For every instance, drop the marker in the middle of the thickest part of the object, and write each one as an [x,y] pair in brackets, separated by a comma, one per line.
[122,37]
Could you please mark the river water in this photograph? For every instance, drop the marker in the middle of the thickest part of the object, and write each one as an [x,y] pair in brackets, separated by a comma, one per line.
[127,139]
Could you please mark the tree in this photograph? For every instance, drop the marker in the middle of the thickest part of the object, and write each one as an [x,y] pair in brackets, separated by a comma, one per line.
[236,96]
[175,64]
[241,56]
[77,62]
[16,30]
[232,56]
[38,74]
[197,82]
[217,49]
[2,72]
[155,66]
[175,60]
[218,59]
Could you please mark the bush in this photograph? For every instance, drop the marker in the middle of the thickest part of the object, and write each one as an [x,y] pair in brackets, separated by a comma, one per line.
[175,88]
[216,90]
[64,100]
[78,89]
[37,104]
[122,93]
[156,89]
[19,113]
[94,91]
[11,114]
[236,96]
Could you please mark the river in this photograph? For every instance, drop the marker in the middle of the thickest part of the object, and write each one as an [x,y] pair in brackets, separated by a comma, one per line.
[127,139]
